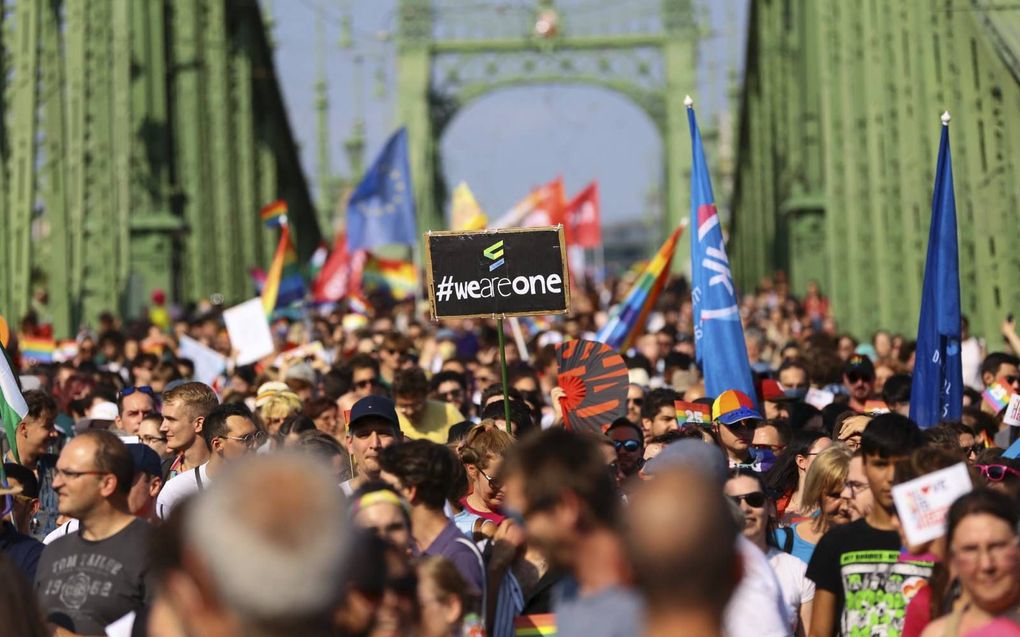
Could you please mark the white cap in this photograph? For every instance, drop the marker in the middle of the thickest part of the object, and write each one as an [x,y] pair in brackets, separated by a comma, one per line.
[103,411]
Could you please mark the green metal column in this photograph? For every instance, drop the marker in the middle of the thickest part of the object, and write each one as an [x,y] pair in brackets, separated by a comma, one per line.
[249,235]
[54,194]
[23,102]
[413,77]
[678,52]
[215,54]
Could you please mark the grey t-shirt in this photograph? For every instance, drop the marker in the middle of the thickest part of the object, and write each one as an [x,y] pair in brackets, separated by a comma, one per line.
[611,612]
[83,586]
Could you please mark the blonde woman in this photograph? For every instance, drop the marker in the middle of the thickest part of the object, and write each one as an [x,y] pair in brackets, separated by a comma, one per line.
[482,456]
[276,403]
[824,488]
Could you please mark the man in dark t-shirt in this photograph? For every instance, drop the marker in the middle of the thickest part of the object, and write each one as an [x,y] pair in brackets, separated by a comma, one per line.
[89,579]
[861,580]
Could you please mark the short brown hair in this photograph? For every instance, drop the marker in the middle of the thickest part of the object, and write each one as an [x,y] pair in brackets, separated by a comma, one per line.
[555,461]
[410,382]
[112,456]
[198,399]
[39,403]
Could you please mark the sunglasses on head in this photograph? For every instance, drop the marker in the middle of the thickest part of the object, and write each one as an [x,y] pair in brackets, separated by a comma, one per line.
[755,499]
[145,389]
[627,445]
[996,472]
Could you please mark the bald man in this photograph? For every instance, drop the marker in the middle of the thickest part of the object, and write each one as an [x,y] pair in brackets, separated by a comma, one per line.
[684,553]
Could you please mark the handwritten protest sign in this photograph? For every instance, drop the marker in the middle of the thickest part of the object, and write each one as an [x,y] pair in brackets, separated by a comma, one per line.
[922,503]
[692,413]
[249,331]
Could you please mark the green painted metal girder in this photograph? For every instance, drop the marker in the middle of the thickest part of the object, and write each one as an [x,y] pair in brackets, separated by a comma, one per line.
[417,51]
[838,135]
[143,138]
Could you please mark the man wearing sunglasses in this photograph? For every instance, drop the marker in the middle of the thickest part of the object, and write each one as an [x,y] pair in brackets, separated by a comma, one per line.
[89,579]
[628,441]
[859,381]
[635,398]
[133,403]
[734,420]
[230,433]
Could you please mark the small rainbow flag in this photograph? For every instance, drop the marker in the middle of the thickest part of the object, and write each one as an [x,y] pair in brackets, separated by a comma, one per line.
[284,283]
[399,278]
[535,625]
[273,213]
[37,349]
[997,394]
[628,319]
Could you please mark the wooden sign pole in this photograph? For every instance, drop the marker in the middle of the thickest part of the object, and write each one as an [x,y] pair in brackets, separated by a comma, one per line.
[502,365]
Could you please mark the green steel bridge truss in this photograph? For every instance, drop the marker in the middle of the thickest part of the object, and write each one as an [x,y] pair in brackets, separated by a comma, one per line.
[139,139]
[839,129]
[451,52]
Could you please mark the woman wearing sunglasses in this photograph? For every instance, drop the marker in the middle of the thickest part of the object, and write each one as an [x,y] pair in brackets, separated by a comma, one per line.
[981,535]
[746,489]
[825,493]
[482,456]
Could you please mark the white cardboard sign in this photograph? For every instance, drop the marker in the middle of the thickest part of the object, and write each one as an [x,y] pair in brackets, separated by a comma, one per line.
[922,503]
[249,331]
[819,398]
[208,362]
[1012,415]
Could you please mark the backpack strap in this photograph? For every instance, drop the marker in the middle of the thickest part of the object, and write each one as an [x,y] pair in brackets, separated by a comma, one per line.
[198,478]
[788,540]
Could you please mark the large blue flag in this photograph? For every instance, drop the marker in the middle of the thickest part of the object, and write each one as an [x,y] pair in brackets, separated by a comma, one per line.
[937,390]
[381,209]
[718,334]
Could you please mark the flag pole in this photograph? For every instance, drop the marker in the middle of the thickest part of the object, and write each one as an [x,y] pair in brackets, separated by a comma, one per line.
[502,365]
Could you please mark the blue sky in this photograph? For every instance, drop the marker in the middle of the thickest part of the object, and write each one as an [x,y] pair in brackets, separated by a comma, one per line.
[508,141]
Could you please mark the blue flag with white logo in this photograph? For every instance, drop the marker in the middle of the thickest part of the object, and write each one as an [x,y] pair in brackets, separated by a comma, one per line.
[937,390]
[381,209]
[718,333]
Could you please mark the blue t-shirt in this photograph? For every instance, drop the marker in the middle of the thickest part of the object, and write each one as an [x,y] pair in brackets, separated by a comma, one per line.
[456,547]
[802,549]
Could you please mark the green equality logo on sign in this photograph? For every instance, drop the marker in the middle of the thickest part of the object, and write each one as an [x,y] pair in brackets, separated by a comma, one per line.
[511,272]
[494,252]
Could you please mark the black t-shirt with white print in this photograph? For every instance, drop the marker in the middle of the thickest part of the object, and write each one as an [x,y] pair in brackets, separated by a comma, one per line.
[84,586]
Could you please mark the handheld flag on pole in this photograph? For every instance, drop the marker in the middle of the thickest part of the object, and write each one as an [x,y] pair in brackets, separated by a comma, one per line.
[718,333]
[465,213]
[936,393]
[12,403]
[381,209]
[544,206]
[274,213]
[583,223]
[627,321]
[284,282]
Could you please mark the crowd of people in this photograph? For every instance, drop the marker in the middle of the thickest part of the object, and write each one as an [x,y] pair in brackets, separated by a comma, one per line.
[374,484]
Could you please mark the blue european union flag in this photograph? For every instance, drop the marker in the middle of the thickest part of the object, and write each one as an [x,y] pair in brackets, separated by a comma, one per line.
[936,393]
[381,209]
[718,333]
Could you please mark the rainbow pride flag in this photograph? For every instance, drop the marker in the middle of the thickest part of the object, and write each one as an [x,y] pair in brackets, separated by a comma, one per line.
[628,319]
[284,282]
[535,625]
[37,349]
[273,213]
[399,278]
[997,394]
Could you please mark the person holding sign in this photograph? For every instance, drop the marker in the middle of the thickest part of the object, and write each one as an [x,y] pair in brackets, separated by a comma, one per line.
[984,551]
[860,581]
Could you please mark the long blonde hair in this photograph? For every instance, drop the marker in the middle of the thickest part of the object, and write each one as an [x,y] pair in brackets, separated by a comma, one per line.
[827,473]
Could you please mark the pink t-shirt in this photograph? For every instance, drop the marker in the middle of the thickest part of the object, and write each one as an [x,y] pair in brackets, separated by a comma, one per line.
[495,518]
[998,627]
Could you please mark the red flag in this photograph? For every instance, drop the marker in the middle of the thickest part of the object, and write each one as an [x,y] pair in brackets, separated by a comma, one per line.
[583,218]
[544,206]
[337,278]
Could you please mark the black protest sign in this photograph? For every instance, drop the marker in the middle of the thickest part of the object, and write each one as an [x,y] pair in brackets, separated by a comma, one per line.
[512,272]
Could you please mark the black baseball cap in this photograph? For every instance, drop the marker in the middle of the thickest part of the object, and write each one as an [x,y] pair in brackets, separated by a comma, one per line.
[145,459]
[374,407]
[861,365]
